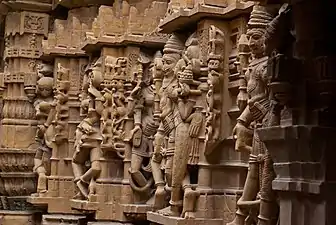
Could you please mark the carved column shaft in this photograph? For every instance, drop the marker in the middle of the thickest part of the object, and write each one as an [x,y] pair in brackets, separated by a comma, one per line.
[24,32]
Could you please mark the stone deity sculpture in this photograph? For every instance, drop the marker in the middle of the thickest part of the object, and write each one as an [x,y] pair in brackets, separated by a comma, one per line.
[43,107]
[258,186]
[164,142]
[88,136]
[142,106]
[181,123]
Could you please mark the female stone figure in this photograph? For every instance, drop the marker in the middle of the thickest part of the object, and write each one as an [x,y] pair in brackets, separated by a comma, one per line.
[142,102]
[88,136]
[255,114]
[43,106]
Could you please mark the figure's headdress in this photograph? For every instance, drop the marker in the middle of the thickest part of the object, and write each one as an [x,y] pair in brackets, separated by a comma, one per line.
[173,46]
[260,17]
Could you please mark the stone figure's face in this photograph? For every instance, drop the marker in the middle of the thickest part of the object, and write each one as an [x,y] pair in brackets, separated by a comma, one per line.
[45,91]
[169,64]
[45,87]
[256,43]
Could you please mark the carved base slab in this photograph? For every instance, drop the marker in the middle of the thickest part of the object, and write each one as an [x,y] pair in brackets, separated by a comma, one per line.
[53,204]
[108,223]
[56,219]
[19,218]
[136,211]
[170,220]
[82,205]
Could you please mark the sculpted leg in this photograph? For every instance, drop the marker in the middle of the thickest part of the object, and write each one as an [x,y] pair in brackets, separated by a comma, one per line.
[250,192]
[95,169]
[268,207]
[41,171]
[189,198]
[160,192]
[78,162]
[137,176]
[180,162]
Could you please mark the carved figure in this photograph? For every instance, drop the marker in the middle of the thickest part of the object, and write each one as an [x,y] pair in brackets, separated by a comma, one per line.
[43,107]
[88,135]
[184,125]
[61,108]
[256,113]
[188,124]
[141,103]
[214,94]
[164,142]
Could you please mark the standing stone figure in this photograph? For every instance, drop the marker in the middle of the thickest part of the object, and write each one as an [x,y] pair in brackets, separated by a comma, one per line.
[164,142]
[43,107]
[142,99]
[258,185]
[89,137]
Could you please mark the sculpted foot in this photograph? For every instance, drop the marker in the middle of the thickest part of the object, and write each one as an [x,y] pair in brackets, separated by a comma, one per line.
[79,196]
[168,212]
[238,220]
[189,202]
[83,188]
[159,197]
[189,215]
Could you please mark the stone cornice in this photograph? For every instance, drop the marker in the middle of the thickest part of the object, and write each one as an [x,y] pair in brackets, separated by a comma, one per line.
[26,5]
[184,17]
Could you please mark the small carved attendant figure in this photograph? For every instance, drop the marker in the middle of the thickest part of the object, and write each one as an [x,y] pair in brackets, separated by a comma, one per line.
[43,106]
[215,82]
[61,107]
[89,138]
[257,112]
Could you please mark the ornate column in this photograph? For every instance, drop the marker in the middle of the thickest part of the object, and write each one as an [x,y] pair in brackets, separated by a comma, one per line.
[25,28]
[62,49]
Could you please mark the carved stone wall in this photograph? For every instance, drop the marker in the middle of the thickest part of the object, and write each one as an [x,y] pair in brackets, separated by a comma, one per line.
[131,103]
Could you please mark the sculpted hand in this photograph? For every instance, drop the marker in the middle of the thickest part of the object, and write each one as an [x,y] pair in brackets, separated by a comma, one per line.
[242,100]
[185,89]
[87,128]
[136,90]
[41,129]
[195,125]
[243,137]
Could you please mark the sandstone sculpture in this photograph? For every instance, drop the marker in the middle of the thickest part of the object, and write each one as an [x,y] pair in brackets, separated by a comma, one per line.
[257,189]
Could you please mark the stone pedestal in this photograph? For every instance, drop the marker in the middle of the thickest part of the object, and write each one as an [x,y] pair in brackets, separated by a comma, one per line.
[64,219]
[170,220]
[305,165]
[19,218]
[108,223]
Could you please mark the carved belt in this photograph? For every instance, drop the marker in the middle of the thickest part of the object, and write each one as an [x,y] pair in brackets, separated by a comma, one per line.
[150,129]
[168,124]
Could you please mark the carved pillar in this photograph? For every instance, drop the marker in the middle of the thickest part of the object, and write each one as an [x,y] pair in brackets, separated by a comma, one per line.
[62,48]
[24,32]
